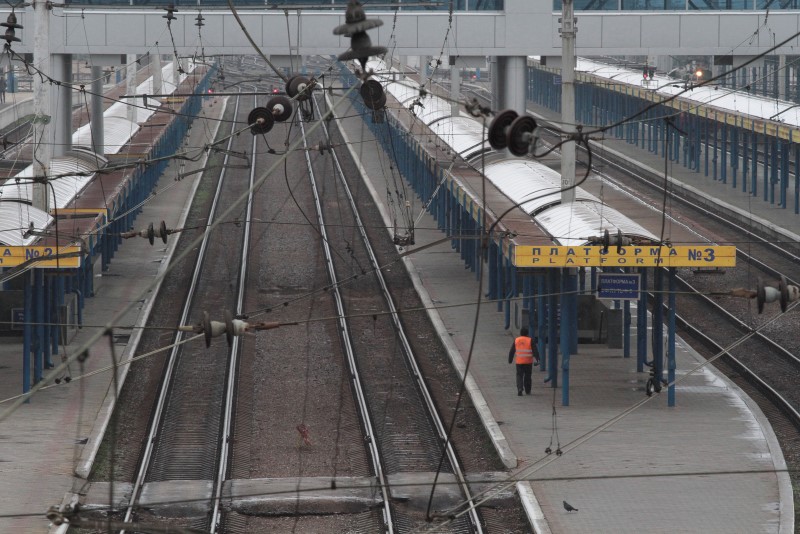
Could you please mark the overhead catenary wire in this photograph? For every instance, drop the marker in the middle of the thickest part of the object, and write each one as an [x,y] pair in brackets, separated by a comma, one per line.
[538,465]
[116,317]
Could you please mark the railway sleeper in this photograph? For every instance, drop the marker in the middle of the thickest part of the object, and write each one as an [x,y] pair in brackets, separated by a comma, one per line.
[292,495]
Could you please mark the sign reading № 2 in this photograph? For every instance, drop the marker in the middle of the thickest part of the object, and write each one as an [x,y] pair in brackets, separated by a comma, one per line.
[629,256]
[13,256]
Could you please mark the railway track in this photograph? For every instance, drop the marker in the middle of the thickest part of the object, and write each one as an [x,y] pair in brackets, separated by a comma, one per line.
[297,456]
[396,449]
[188,436]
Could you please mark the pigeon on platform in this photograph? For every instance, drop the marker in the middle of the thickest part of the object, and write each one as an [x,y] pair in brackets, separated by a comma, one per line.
[568,507]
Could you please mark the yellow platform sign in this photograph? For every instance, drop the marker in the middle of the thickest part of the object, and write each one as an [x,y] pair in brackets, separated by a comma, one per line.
[630,256]
[78,212]
[68,257]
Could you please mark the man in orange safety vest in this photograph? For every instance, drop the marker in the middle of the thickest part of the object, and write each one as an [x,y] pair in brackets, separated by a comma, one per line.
[526,354]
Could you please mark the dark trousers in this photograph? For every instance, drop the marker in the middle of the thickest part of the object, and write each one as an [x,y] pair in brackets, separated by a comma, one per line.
[524,376]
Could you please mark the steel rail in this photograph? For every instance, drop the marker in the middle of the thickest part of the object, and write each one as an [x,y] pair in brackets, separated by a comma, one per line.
[158,412]
[599,155]
[408,352]
[782,403]
[786,353]
[369,432]
[233,360]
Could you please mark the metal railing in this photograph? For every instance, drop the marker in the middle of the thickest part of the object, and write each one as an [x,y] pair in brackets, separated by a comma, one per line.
[681,5]
[379,5]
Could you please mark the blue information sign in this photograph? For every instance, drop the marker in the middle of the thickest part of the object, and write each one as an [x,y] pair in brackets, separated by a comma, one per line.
[618,286]
[17,318]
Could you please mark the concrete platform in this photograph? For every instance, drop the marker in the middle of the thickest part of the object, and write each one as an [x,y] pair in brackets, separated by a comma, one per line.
[627,466]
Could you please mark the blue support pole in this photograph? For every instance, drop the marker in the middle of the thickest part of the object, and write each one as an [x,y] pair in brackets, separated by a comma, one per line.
[754,162]
[47,299]
[59,305]
[38,306]
[500,275]
[734,152]
[626,327]
[569,328]
[552,327]
[705,136]
[564,330]
[724,150]
[766,162]
[27,331]
[641,325]
[541,317]
[479,251]
[784,174]
[698,141]
[745,159]
[797,179]
[572,302]
[530,303]
[715,154]
[492,270]
[773,176]
[658,324]
[671,365]
[510,290]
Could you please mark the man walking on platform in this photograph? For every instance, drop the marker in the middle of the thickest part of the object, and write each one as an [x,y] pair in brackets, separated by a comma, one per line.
[526,353]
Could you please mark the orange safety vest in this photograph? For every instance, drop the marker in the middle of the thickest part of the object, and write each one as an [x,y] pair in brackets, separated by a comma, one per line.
[523,350]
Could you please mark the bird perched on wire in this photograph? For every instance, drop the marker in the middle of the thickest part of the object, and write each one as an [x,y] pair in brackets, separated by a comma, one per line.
[356,26]
[568,507]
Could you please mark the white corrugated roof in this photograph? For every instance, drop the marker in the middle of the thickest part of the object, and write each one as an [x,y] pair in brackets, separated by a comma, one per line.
[735,101]
[117,131]
[16,213]
[462,134]
[534,185]
[15,219]
[120,109]
[573,223]
[71,173]
[404,92]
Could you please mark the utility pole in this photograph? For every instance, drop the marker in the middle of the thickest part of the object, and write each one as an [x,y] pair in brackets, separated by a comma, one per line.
[130,84]
[42,147]
[455,86]
[96,106]
[568,31]
[155,69]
